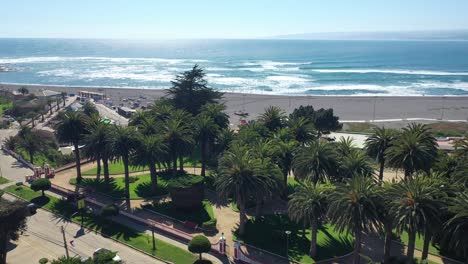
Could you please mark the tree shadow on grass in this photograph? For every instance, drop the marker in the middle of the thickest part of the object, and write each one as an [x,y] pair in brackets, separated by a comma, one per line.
[144,190]
[166,208]
[268,232]
[41,200]
[112,189]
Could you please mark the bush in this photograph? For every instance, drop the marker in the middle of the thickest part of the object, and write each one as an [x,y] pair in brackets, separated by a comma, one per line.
[110,210]
[42,184]
[43,261]
[209,225]
[199,244]
[133,179]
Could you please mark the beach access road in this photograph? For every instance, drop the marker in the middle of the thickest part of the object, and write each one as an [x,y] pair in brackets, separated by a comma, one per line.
[105,111]
[43,238]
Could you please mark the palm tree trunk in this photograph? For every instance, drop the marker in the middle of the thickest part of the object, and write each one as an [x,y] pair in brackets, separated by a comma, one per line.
[259,208]
[242,216]
[388,241]
[357,246]
[98,170]
[154,177]
[174,165]
[105,163]
[78,163]
[31,157]
[127,181]
[4,247]
[411,243]
[203,149]
[313,239]
[427,240]
[381,171]
[181,163]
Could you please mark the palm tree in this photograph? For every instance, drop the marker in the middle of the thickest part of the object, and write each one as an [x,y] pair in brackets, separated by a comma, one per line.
[242,176]
[386,218]
[273,118]
[416,208]
[356,162]
[376,145]
[456,227]
[71,129]
[23,90]
[315,161]
[302,129]
[97,141]
[217,114]
[353,208]
[150,150]
[31,144]
[414,149]
[178,136]
[309,203]
[345,146]
[283,150]
[123,145]
[206,131]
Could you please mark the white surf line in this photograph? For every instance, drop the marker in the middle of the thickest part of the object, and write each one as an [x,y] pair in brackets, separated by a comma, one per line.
[403,119]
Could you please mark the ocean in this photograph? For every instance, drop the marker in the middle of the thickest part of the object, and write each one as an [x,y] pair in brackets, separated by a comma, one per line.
[279,67]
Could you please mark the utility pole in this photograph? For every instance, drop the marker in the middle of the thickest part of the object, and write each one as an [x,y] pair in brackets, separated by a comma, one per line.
[64,241]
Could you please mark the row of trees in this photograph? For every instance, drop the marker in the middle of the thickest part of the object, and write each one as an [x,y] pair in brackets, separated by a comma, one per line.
[336,178]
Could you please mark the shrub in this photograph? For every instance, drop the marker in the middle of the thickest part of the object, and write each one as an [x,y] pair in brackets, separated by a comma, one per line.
[42,184]
[133,179]
[1,193]
[110,210]
[43,261]
[209,225]
[199,244]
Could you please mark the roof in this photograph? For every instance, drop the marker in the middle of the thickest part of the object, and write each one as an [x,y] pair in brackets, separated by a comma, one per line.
[126,109]
[359,140]
[95,93]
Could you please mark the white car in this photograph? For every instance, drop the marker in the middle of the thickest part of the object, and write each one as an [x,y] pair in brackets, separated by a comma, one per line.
[116,258]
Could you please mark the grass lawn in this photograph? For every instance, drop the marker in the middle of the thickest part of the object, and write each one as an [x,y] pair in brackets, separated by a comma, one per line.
[3,180]
[268,232]
[205,214]
[118,167]
[109,228]
[138,189]
[5,104]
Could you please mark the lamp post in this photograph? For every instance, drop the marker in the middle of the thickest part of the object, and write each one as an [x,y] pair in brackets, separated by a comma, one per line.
[287,242]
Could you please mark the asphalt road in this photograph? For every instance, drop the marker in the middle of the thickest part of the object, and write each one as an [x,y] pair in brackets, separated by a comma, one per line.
[43,238]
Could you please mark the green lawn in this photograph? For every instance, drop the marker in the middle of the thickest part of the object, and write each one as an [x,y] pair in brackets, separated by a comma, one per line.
[138,189]
[118,167]
[109,228]
[419,243]
[5,104]
[3,180]
[268,232]
[205,214]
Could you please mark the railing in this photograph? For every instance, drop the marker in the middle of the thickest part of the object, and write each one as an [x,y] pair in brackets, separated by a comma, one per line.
[241,256]
[18,157]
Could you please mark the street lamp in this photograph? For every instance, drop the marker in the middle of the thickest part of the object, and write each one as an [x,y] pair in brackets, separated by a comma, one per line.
[287,242]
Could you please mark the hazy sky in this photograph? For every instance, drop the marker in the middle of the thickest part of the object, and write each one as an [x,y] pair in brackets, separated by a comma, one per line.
[223,18]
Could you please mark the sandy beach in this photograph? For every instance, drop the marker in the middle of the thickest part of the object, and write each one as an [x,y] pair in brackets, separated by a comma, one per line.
[383,109]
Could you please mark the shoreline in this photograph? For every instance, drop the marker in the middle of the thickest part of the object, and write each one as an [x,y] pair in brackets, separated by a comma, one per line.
[357,108]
